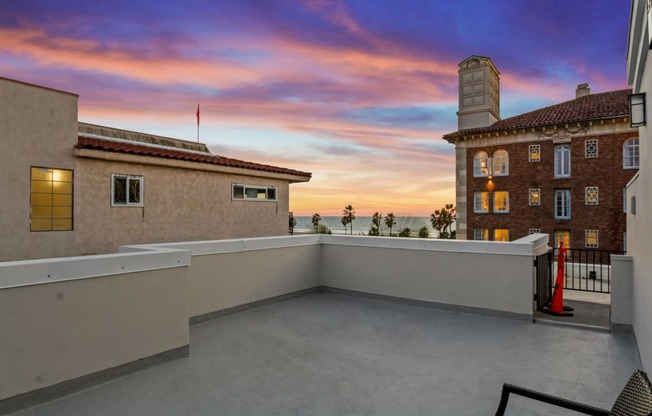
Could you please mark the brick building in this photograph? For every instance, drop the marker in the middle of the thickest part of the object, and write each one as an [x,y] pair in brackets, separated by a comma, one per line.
[560,170]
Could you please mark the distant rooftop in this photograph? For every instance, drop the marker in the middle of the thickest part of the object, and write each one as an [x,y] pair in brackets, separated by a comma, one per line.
[141,144]
[592,107]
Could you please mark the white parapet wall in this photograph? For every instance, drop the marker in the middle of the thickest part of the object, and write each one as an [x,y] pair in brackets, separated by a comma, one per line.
[65,318]
[493,276]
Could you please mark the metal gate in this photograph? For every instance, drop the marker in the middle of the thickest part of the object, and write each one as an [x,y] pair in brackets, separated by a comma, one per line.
[543,269]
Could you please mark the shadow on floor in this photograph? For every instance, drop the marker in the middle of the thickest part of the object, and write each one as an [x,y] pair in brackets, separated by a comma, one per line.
[587,314]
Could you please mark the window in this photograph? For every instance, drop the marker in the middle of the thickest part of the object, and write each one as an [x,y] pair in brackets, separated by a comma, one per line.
[480,164]
[126,190]
[501,234]
[563,236]
[534,196]
[535,230]
[481,202]
[535,153]
[254,192]
[501,201]
[481,234]
[591,238]
[562,204]
[591,148]
[591,195]
[630,154]
[562,161]
[501,163]
[50,199]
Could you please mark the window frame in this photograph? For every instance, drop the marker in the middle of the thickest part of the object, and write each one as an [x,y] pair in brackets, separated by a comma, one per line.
[631,160]
[67,190]
[534,153]
[566,204]
[485,234]
[534,231]
[591,196]
[589,235]
[271,192]
[141,190]
[534,202]
[480,171]
[484,202]
[500,156]
[495,198]
[587,146]
[562,161]
[500,230]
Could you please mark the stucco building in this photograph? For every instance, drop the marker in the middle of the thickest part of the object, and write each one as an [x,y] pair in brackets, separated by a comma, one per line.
[73,188]
[560,170]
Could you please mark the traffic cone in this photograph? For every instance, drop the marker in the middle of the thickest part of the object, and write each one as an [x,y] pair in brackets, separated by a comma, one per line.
[556,306]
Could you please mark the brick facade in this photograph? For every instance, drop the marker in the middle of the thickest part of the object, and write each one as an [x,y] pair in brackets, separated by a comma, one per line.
[605,172]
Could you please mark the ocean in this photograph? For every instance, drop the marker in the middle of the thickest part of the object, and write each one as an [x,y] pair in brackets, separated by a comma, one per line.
[362,224]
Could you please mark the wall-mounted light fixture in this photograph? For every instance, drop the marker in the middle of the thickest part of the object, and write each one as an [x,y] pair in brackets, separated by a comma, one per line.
[637,110]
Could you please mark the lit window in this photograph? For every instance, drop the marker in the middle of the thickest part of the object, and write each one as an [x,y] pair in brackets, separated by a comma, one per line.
[591,195]
[535,230]
[480,164]
[51,199]
[501,163]
[481,234]
[630,154]
[563,236]
[562,204]
[535,196]
[501,201]
[591,238]
[562,161]
[255,192]
[591,148]
[126,190]
[481,202]
[535,153]
[501,234]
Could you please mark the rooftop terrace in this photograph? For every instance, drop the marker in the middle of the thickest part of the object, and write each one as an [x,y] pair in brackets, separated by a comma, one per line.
[328,353]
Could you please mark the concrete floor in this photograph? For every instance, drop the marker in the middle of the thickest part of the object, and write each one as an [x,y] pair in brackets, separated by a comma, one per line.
[336,354]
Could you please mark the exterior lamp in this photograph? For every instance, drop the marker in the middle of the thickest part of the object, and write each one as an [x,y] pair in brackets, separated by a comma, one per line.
[637,110]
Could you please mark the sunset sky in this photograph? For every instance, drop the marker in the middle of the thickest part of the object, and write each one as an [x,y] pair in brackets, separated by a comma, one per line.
[357,92]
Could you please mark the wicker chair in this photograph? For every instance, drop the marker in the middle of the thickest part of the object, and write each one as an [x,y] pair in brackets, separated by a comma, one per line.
[634,400]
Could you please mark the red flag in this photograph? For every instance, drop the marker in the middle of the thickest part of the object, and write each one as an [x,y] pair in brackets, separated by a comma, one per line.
[197,114]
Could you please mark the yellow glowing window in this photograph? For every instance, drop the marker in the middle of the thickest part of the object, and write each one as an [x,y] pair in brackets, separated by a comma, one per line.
[501,201]
[51,199]
[501,234]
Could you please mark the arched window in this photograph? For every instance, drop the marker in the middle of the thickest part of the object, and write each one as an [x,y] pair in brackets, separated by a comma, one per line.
[630,154]
[480,167]
[501,163]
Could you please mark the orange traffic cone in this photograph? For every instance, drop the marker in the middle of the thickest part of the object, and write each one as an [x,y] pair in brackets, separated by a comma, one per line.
[556,306]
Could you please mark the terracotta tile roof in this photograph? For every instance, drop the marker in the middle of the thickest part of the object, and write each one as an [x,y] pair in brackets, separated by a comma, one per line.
[600,106]
[138,149]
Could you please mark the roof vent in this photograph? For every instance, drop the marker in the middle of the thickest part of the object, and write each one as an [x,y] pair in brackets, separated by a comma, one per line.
[582,90]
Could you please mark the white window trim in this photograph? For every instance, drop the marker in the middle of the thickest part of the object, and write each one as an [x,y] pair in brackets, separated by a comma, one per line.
[478,169]
[567,194]
[494,164]
[476,195]
[140,178]
[501,229]
[562,151]
[504,211]
[259,187]
[626,158]
[483,231]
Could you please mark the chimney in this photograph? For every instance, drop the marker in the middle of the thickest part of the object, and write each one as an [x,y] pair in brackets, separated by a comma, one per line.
[582,90]
[479,94]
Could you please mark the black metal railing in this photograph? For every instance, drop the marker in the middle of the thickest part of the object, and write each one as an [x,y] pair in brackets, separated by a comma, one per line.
[586,270]
[543,266]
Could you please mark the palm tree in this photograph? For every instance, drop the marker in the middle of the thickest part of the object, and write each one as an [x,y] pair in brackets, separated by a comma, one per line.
[390,221]
[376,220]
[345,222]
[349,214]
[315,222]
[442,221]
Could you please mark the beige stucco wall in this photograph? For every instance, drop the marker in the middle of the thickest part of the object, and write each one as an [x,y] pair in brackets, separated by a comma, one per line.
[179,205]
[63,330]
[39,128]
